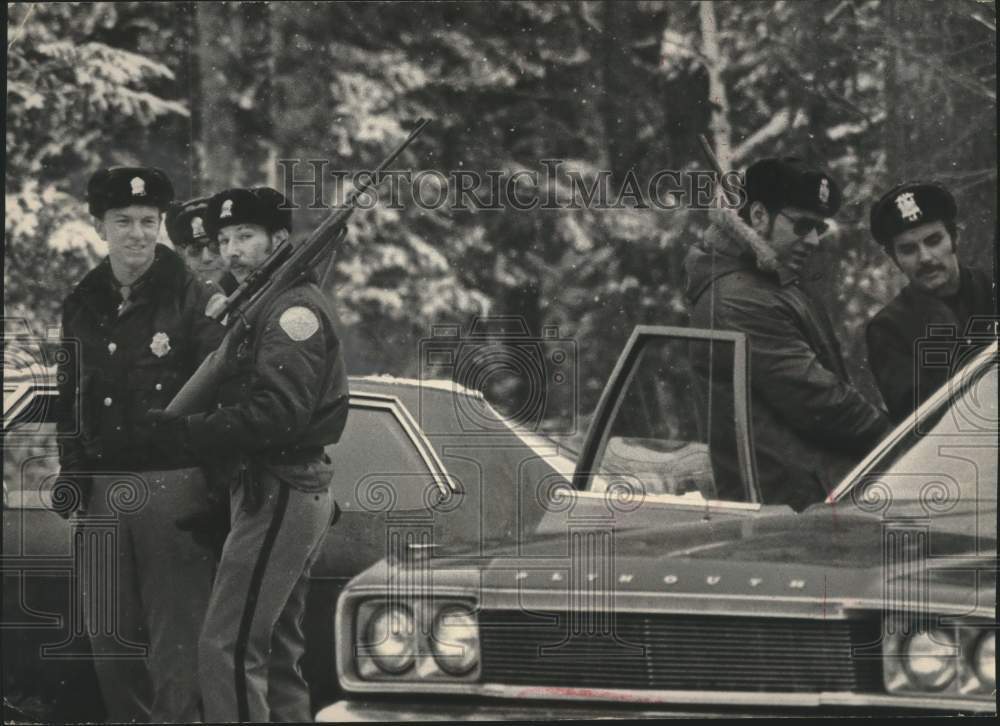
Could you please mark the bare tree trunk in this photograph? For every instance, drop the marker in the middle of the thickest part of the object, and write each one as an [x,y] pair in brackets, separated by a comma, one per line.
[715,64]
[619,110]
[195,95]
[236,71]
[255,117]
[216,132]
[894,119]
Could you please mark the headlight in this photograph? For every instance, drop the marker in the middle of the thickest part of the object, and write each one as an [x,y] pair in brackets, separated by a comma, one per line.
[392,639]
[931,659]
[455,640]
[985,660]
[413,640]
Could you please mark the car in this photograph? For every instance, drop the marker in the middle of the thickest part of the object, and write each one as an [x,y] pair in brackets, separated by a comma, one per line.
[415,458]
[657,583]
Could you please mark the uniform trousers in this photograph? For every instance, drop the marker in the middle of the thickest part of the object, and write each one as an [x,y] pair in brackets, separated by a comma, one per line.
[145,587]
[252,643]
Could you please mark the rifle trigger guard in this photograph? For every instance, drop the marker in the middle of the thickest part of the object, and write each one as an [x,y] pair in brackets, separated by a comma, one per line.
[242,319]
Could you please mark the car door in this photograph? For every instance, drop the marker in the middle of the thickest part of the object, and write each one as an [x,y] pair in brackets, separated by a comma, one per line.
[670,441]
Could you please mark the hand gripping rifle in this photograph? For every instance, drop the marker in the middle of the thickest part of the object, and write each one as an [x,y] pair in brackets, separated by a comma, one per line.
[283,268]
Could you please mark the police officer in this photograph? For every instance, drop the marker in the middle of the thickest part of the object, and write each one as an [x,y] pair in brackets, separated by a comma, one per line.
[916,225]
[285,399]
[140,331]
[185,223]
[810,423]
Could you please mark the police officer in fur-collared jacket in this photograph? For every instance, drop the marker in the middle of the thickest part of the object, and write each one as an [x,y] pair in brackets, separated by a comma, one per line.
[284,398]
[137,330]
[810,424]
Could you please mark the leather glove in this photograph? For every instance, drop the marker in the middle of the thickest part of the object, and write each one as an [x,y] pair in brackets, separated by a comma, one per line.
[168,439]
[71,493]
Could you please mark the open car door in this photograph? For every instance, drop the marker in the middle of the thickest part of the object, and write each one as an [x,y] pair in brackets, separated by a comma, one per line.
[670,441]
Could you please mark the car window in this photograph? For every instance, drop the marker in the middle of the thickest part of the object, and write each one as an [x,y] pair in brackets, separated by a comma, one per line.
[670,432]
[376,454]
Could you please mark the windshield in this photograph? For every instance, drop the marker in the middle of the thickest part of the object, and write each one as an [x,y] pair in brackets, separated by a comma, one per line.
[947,463]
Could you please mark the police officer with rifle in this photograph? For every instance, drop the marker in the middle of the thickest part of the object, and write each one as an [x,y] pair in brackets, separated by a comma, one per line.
[266,402]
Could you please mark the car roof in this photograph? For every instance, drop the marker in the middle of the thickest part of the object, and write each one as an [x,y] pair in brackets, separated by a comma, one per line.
[380,381]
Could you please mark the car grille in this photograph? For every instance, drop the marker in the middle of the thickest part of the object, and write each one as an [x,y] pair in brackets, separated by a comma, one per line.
[679,652]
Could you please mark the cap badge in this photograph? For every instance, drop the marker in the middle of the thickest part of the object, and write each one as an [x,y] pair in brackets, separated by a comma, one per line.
[907,207]
[227,209]
[138,186]
[160,345]
[824,191]
[197,227]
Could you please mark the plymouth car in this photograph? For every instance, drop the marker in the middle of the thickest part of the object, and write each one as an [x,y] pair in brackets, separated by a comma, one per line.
[656,583]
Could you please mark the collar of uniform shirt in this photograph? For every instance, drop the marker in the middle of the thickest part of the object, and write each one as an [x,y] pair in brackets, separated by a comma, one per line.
[128,292]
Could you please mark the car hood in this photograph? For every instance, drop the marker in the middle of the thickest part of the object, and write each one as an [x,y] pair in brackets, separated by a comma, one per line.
[823,554]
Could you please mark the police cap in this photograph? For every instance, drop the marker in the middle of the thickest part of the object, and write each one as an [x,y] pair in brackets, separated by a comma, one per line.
[185,222]
[248,205]
[791,182]
[123,186]
[910,205]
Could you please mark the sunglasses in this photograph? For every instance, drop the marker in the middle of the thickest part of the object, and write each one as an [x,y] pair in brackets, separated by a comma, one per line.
[803,225]
[195,248]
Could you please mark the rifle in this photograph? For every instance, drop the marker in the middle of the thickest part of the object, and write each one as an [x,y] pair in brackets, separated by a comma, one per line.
[286,266]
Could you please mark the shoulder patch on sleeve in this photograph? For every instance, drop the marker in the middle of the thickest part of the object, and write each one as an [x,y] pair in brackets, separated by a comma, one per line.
[300,323]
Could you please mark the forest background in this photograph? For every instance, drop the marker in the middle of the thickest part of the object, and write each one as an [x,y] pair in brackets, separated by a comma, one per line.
[878,91]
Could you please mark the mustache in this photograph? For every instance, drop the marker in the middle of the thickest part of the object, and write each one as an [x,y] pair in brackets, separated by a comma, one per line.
[929,267]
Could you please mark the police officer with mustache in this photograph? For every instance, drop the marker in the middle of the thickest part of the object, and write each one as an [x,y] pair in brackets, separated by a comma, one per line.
[916,225]
[285,397]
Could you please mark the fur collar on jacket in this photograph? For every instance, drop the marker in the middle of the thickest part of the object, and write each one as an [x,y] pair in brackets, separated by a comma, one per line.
[732,236]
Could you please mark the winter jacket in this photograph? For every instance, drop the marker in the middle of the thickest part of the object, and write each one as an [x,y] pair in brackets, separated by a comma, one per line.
[917,341]
[809,424]
[126,359]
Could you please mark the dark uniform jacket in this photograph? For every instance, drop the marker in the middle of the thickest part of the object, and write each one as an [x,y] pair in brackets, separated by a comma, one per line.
[122,365]
[902,327]
[810,425]
[285,394]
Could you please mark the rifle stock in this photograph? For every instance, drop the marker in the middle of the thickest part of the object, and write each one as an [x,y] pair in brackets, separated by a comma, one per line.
[285,267]
[198,393]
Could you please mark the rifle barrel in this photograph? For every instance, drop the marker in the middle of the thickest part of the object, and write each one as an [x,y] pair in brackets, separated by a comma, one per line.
[285,266]
[377,174]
